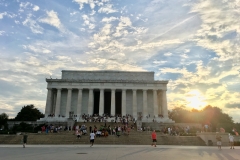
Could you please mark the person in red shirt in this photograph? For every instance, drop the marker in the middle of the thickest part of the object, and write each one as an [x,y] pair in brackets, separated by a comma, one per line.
[154,138]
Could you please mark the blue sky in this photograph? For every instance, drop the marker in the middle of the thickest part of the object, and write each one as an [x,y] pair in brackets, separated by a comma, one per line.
[194,44]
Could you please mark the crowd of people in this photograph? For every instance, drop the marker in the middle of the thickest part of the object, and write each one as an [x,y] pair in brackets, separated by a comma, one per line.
[103,130]
[52,128]
[107,118]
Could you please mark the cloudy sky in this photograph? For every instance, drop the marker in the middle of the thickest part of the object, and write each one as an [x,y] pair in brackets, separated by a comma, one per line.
[195,44]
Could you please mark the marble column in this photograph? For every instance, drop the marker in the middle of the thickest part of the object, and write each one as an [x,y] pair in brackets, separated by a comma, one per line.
[145,108]
[113,107]
[48,103]
[124,102]
[79,104]
[101,102]
[68,107]
[164,104]
[155,104]
[58,102]
[90,102]
[135,103]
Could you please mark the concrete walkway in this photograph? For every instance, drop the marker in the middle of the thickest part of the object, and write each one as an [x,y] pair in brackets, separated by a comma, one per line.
[120,152]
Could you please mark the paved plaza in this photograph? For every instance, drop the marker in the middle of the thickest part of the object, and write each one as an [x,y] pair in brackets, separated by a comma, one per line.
[120,152]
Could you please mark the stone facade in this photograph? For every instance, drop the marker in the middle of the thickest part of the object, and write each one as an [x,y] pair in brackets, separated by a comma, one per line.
[106,92]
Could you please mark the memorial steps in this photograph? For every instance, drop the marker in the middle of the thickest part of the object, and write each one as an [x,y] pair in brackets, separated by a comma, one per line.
[10,139]
[135,138]
[132,139]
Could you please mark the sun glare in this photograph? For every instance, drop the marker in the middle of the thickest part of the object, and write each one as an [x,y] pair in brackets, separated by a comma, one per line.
[195,100]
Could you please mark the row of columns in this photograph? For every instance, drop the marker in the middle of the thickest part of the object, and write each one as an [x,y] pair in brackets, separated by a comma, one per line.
[101,102]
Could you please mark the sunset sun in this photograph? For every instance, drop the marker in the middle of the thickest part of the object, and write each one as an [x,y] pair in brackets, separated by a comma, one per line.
[195,100]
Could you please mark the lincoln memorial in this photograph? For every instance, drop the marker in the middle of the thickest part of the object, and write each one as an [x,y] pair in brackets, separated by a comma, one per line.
[106,92]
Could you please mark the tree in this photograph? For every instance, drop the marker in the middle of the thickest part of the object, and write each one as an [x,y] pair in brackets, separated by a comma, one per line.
[215,117]
[182,115]
[3,120]
[209,115]
[29,113]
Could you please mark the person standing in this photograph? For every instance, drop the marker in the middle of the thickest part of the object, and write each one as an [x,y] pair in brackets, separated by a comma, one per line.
[231,141]
[219,141]
[25,136]
[92,136]
[154,138]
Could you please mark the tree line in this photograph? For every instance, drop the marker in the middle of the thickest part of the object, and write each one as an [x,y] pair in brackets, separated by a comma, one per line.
[27,113]
[212,116]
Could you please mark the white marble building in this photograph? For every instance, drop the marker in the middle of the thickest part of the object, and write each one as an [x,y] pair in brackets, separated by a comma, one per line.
[106,92]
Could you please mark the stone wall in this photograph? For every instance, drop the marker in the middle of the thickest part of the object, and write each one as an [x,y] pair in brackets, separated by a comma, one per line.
[210,138]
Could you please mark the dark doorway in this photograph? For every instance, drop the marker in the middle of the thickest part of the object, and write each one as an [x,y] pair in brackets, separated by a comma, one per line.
[118,102]
[107,103]
[96,102]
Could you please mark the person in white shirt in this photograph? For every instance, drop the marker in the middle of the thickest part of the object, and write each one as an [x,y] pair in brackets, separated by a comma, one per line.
[92,136]
[231,141]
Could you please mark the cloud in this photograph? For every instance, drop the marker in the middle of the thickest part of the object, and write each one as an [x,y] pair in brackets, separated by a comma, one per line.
[35,8]
[168,54]
[10,15]
[7,108]
[92,12]
[51,19]
[73,13]
[23,6]
[3,14]
[183,71]
[184,56]
[37,49]
[110,19]
[32,24]
[1,33]
[233,105]
[81,3]
[218,20]
[92,5]
[82,29]
[107,9]
[123,24]
[88,21]
[112,64]
[17,22]
[64,58]
[218,33]
[159,62]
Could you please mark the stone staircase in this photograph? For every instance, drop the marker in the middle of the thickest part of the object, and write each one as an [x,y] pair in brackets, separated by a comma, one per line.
[135,138]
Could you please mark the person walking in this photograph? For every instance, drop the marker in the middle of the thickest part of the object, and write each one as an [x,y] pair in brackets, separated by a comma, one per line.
[231,141]
[154,138]
[92,136]
[25,136]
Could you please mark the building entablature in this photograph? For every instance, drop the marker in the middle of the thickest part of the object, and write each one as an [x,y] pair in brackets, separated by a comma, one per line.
[106,81]
[138,86]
